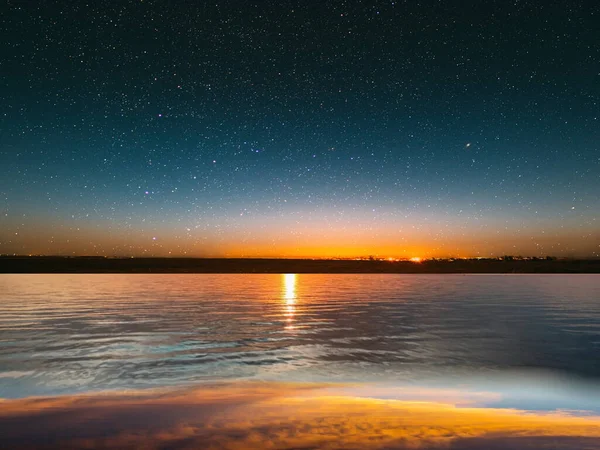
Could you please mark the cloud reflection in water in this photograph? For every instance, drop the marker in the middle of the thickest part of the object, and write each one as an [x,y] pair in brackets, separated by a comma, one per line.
[285,416]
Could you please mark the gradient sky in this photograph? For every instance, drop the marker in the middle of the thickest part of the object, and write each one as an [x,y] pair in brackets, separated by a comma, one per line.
[300,128]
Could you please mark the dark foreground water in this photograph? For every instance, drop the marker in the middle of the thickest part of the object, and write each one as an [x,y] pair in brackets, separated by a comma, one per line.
[514,342]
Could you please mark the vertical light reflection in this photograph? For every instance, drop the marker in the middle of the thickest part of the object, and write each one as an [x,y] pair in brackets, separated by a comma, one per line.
[289,296]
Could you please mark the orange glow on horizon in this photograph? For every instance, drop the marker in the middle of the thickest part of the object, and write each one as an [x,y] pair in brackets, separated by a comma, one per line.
[314,239]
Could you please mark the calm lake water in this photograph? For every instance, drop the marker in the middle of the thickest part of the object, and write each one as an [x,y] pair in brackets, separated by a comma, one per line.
[64,334]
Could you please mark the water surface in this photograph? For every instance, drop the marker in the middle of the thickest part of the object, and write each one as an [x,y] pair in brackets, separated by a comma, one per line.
[80,333]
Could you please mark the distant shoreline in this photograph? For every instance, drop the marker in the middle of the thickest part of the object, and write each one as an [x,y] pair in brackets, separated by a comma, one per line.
[53,264]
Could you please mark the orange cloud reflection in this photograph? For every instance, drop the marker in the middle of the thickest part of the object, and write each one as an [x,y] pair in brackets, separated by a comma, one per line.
[281,416]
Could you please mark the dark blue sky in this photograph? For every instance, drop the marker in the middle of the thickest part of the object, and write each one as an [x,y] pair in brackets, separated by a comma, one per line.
[291,128]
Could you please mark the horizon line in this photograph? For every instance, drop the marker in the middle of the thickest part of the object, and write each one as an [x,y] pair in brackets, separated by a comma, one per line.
[368,258]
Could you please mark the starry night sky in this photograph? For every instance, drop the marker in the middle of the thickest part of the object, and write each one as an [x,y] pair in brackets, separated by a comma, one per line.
[300,128]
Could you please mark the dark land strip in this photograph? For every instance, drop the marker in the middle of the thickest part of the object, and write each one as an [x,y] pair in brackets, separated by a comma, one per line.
[53,264]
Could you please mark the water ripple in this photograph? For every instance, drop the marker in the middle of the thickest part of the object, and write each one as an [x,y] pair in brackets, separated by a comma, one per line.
[74,333]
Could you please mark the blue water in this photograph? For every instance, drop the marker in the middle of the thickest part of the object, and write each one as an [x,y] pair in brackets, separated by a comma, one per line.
[62,334]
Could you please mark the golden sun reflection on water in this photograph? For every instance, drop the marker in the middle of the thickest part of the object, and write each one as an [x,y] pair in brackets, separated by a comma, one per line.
[289,297]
